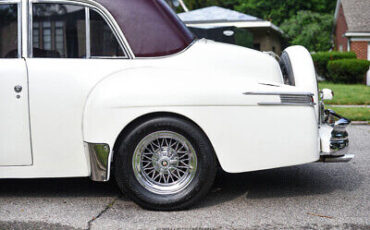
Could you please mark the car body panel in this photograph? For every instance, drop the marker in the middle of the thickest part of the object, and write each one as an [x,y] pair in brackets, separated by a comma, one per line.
[232,93]
[15,141]
[87,93]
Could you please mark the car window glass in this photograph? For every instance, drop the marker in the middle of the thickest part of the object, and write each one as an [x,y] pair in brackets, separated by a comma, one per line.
[59,31]
[103,40]
[8,31]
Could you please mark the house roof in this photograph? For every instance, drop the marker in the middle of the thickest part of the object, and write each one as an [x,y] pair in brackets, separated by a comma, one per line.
[215,14]
[357,14]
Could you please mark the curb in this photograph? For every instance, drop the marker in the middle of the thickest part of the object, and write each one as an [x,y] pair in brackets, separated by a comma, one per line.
[349,106]
[360,123]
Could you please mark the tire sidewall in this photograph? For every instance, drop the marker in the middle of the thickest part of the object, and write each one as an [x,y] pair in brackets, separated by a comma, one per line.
[200,184]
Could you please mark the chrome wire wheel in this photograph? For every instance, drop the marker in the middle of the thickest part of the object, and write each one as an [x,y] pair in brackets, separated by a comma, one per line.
[164,162]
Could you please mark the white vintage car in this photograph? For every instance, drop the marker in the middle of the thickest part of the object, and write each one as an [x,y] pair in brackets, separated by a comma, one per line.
[96,88]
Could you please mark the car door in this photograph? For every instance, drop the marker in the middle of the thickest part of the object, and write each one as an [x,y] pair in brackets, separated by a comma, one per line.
[72,48]
[15,142]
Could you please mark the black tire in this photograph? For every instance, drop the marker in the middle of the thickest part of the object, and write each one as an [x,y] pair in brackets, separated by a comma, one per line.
[193,192]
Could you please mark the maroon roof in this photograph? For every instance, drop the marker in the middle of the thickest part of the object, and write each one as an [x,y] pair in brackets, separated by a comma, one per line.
[150,26]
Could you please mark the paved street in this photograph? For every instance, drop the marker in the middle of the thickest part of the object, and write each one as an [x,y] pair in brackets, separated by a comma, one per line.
[313,196]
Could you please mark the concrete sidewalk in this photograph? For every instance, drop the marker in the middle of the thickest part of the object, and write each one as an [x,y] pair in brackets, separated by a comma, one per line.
[350,106]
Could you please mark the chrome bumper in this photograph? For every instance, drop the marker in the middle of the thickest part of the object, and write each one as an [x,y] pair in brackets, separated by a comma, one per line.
[334,138]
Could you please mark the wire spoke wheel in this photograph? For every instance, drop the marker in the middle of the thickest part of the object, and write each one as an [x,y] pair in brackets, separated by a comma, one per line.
[164,162]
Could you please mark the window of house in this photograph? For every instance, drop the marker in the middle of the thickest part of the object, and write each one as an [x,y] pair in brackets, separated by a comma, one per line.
[103,41]
[59,31]
[9,31]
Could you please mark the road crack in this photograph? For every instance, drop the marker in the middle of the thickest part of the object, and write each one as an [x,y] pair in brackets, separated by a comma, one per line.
[107,207]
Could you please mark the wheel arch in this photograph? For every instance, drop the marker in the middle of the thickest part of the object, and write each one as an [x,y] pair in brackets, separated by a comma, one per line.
[143,118]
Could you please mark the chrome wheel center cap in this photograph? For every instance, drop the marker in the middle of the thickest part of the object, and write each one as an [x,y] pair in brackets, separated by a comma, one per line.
[164,163]
[166,158]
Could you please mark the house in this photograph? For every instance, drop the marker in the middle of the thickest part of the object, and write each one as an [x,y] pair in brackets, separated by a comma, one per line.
[352,27]
[230,26]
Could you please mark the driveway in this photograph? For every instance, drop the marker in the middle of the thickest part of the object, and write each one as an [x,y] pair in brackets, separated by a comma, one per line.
[313,196]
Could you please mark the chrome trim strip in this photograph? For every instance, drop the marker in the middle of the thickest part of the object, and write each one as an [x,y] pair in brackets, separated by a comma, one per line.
[30,28]
[284,103]
[93,5]
[19,24]
[99,161]
[286,98]
[297,99]
[280,93]
[268,84]
[24,23]
[88,33]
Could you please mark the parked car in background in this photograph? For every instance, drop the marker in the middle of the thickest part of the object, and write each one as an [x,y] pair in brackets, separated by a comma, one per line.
[95,88]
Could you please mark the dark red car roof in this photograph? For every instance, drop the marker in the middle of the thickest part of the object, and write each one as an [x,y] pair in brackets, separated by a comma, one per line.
[150,26]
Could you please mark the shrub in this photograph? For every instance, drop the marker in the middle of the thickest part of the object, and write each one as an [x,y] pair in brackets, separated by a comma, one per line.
[348,70]
[321,60]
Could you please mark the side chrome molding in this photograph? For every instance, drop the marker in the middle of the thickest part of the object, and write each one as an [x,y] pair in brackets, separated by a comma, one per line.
[99,158]
[293,99]
[278,93]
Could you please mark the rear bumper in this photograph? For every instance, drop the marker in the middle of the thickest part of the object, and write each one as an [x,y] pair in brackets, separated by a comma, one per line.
[340,159]
[334,138]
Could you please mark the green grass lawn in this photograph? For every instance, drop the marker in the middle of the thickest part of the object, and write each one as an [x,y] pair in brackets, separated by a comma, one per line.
[345,94]
[354,114]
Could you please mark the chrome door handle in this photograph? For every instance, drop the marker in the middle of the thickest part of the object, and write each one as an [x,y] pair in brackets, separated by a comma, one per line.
[18,88]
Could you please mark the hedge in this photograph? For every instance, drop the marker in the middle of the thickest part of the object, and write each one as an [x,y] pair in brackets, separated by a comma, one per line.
[321,60]
[348,70]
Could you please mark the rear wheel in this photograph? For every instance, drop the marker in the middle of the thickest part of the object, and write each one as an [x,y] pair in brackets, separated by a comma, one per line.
[165,164]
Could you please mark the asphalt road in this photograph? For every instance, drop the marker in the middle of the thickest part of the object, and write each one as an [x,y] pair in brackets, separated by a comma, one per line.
[313,196]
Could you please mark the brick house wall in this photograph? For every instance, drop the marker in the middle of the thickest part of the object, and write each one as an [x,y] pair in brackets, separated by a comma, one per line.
[341,42]
[360,48]
[340,29]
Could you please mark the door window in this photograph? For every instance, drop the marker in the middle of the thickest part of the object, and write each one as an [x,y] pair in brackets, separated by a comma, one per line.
[59,31]
[9,31]
[103,40]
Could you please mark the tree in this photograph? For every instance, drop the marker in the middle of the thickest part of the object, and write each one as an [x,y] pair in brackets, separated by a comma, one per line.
[305,22]
[312,30]
[277,11]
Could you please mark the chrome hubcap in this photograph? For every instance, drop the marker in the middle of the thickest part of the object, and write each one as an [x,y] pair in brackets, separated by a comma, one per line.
[164,162]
